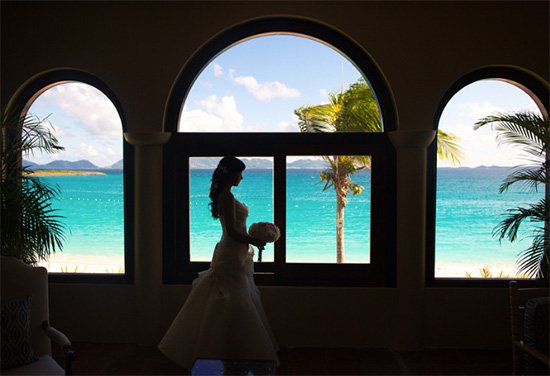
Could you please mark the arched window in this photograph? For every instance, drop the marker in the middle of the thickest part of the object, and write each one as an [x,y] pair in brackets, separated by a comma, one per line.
[89,173]
[246,94]
[469,206]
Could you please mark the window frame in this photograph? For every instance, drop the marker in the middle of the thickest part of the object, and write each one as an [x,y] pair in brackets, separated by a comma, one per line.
[23,99]
[381,271]
[538,91]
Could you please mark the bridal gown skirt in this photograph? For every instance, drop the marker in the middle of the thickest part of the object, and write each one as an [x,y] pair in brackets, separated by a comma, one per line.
[223,317]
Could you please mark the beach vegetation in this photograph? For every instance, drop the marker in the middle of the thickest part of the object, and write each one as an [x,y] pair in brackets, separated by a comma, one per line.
[530,133]
[114,270]
[485,272]
[31,228]
[354,110]
[65,269]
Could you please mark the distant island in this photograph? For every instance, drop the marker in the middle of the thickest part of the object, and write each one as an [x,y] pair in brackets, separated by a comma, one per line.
[81,165]
[85,167]
[251,164]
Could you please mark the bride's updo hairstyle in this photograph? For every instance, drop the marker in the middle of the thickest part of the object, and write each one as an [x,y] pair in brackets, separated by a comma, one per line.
[221,178]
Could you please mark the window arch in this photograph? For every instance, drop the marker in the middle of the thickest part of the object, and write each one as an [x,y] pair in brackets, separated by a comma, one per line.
[183,148]
[279,26]
[89,123]
[475,210]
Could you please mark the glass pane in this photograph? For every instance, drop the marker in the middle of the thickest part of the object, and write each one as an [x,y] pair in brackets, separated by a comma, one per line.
[469,205]
[312,213]
[89,174]
[263,84]
[255,191]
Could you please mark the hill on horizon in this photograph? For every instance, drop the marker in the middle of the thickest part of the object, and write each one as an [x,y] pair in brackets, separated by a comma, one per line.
[60,164]
[206,164]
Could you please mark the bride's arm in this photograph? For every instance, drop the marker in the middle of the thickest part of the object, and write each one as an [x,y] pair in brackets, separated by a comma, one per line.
[227,206]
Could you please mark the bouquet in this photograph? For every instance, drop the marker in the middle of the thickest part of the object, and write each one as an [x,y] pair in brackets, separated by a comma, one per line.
[264,231]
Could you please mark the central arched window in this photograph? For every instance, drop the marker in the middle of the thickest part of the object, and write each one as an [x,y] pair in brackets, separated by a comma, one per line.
[293,99]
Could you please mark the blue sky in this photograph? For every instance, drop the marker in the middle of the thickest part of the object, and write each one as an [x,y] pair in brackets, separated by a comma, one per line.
[254,86]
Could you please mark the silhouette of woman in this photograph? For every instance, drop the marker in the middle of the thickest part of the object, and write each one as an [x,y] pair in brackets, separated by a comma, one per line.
[223,317]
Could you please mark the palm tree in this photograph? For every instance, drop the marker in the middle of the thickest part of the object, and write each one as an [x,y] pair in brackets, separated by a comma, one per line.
[355,110]
[31,229]
[530,132]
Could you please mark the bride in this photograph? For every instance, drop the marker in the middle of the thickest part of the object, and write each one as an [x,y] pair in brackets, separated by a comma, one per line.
[223,317]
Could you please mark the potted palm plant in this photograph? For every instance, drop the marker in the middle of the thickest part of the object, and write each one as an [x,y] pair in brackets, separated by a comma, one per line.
[31,227]
[531,133]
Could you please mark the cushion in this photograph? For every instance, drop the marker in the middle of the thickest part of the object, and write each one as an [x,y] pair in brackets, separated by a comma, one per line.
[45,365]
[535,333]
[16,333]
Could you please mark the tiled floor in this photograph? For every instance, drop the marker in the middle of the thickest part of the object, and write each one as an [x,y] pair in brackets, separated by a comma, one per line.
[127,359]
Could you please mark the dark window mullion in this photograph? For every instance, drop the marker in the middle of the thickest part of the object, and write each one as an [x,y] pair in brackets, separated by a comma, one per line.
[279,198]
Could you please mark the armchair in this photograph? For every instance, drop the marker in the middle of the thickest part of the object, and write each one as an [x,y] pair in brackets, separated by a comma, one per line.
[529,313]
[26,332]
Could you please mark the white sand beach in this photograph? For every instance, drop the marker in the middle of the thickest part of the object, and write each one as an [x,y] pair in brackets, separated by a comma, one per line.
[475,270]
[66,263]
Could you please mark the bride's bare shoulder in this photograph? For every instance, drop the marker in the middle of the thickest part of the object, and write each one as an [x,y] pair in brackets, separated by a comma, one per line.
[226,198]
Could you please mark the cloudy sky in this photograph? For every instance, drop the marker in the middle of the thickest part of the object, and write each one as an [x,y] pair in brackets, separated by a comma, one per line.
[255,86]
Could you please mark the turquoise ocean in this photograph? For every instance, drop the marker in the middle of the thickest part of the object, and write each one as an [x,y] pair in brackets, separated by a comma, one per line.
[468,208]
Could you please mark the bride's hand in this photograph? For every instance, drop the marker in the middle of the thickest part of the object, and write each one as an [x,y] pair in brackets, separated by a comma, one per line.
[258,243]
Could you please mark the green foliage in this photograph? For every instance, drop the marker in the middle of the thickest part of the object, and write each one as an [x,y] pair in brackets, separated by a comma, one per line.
[448,147]
[31,228]
[354,110]
[65,269]
[486,272]
[530,133]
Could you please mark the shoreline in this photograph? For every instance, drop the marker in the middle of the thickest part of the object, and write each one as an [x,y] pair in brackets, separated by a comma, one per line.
[65,263]
[66,173]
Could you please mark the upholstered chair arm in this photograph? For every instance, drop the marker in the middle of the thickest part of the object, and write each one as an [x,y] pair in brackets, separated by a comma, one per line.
[55,335]
[63,341]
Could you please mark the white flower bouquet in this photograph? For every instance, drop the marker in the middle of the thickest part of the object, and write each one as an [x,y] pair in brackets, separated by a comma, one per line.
[264,231]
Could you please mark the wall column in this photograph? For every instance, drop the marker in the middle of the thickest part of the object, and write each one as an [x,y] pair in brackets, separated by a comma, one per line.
[148,232]
[411,234]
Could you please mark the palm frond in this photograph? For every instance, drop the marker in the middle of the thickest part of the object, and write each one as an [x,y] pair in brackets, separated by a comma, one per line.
[534,260]
[530,177]
[37,136]
[31,227]
[448,147]
[317,118]
[509,226]
[527,130]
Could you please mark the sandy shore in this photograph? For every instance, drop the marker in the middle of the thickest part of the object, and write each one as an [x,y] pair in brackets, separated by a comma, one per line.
[64,263]
[459,271]
[66,173]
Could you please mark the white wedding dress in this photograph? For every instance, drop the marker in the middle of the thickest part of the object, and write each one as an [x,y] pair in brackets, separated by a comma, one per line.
[223,317]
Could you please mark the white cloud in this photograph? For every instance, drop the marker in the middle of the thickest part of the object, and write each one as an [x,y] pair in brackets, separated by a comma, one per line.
[87,106]
[264,91]
[218,70]
[215,115]
[88,151]
[323,92]
[477,110]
